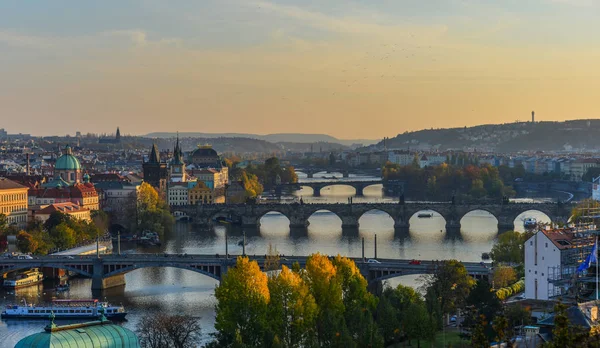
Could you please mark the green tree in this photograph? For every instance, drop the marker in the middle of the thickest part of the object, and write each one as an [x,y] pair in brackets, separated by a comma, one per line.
[151,211]
[64,237]
[3,223]
[242,299]
[502,329]
[450,284]
[418,324]
[510,247]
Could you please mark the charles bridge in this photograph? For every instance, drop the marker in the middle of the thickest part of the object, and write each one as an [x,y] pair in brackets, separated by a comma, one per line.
[108,271]
[249,215]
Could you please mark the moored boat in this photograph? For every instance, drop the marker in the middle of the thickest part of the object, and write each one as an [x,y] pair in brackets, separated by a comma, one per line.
[530,223]
[22,279]
[65,309]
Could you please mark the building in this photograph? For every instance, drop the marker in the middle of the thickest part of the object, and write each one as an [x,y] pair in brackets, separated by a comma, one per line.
[403,158]
[200,194]
[551,255]
[178,193]
[68,168]
[206,166]
[236,193]
[13,202]
[177,166]
[73,210]
[110,140]
[116,196]
[580,167]
[155,171]
[102,333]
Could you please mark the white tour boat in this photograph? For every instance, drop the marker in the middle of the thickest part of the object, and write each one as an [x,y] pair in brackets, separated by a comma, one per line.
[22,279]
[65,309]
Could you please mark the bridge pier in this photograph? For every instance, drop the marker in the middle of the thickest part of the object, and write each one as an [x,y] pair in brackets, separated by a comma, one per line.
[453,229]
[317,191]
[359,191]
[345,174]
[99,283]
[310,175]
[401,229]
[505,227]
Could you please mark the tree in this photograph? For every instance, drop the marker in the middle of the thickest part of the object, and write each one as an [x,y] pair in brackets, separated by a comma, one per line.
[450,284]
[163,330]
[419,326]
[151,211]
[509,247]
[271,259]
[64,237]
[241,309]
[478,337]
[292,309]
[55,219]
[3,223]
[502,329]
[504,276]
[26,243]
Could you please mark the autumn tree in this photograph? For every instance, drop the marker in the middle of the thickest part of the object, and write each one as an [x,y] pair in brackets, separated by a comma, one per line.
[242,296]
[63,235]
[26,243]
[150,211]
[292,309]
[160,330]
[504,276]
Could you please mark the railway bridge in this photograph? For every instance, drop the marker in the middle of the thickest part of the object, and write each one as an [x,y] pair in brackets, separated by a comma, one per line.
[108,271]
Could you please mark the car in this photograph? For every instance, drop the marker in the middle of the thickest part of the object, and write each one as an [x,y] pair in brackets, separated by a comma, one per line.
[453,319]
[372,261]
[24,257]
[414,262]
[69,257]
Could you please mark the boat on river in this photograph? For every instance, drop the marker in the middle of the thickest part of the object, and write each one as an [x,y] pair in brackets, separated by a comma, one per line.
[425,215]
[530,223]
[23,279]
[65,309]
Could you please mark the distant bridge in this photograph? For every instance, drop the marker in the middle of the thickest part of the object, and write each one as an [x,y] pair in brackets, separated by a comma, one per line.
[317,186]
[249,215]
[310,171]
[109,270]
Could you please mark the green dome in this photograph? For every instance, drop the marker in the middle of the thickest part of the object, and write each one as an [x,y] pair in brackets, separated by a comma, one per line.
[81,336]
[67,161]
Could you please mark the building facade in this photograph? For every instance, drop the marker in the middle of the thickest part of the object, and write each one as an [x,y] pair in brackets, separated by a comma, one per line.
[13,202]
[200,194]
[73,210]
[155,171]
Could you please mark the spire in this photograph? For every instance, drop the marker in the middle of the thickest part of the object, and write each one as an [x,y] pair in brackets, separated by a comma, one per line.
[154,155]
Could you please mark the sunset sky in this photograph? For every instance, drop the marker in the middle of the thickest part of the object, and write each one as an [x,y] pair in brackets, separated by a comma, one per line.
[351,69]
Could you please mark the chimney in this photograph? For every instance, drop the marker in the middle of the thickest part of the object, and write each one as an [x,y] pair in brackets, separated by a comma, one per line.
[28,168]
[533,117]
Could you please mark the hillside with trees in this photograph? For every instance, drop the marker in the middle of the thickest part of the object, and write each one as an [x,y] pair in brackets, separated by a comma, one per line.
[575,135]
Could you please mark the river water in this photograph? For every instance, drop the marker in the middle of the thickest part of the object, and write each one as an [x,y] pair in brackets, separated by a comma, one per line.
[176,291]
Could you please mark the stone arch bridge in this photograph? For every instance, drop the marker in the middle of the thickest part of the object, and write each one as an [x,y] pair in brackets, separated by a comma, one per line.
[317,186]
[249,215]
[109,270]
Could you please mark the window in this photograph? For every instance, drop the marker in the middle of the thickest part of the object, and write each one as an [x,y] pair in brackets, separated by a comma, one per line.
[546,244]
[531,243]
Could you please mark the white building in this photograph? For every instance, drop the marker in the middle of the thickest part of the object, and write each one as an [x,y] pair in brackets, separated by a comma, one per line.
[177,193]
[552,255]
[403,158]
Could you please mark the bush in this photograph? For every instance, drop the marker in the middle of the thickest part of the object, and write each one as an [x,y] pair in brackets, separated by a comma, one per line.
[509,291]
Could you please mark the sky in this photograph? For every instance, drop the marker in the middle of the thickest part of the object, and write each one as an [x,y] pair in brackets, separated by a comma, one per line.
[348,68]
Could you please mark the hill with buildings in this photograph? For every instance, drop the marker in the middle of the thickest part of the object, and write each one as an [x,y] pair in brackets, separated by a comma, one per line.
[567,136]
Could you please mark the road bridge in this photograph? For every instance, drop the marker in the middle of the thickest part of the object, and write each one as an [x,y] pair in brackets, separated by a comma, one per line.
[249,215]
[108,271]
[310,171]
[317,186]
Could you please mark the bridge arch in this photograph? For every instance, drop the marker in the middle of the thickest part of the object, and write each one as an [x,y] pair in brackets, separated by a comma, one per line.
[378,214]
[211,271]
[328,187]
[540,215]
[479,223]
[324,214]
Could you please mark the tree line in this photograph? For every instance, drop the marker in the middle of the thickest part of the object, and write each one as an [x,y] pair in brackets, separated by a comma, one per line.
[445,181]
[256,177]
[327,304]
[60,231]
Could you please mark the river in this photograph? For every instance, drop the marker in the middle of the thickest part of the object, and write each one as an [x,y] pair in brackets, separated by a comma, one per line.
[176,291]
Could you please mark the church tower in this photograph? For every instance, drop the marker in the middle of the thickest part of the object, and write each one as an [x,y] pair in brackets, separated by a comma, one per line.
[155,171]
[177,166]
[118,136]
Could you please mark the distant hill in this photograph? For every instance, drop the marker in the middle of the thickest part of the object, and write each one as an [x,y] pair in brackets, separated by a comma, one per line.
[221,144]
[316,147]
[575,135]
[273,138]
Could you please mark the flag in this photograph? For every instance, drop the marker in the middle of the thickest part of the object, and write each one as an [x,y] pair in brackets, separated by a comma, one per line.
[591,258]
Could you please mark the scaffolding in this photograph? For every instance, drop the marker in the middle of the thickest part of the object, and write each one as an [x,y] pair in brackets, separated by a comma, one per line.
[564,281]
